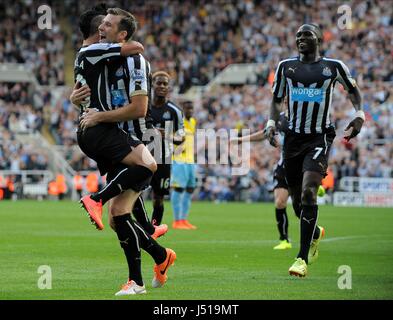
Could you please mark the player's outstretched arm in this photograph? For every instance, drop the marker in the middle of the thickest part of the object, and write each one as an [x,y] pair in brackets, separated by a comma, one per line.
[257,136]
[131,48]
[356,124]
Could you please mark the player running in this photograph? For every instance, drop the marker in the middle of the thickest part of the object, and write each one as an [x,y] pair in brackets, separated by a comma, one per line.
[183,179]
[281,194]
[308,82]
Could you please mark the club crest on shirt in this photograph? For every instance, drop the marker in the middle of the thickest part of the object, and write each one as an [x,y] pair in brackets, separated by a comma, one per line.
[327,72]
[166,115]
[119,72]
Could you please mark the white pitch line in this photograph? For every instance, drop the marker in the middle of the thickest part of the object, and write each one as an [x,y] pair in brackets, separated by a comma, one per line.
[344,238]
[269,242]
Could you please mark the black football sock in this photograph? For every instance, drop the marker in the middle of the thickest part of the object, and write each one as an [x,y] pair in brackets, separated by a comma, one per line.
[158,212]
[308,223]
[151,246]
[140,214]
[316,233]
[297,207]
[129,241]
[282,223]
[136,178]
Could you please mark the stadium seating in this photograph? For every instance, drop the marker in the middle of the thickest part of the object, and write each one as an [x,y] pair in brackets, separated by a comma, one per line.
[21,41]
[194,43]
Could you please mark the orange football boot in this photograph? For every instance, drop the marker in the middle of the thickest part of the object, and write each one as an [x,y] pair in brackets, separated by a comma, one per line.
[189,225]
[94,210]
[178,224]
[160,270]
[159,231]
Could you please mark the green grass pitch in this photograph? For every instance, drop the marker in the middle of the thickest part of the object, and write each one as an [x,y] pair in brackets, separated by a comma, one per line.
[230,256]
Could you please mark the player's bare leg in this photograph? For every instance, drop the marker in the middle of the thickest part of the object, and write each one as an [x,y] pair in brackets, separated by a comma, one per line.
[140,156]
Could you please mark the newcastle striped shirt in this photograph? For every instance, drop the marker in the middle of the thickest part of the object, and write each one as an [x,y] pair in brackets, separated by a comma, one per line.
[309,88]
[128,77]
[90,68]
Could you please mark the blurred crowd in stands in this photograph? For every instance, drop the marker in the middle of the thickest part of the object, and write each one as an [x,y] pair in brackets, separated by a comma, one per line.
[194,41]
[19,114]
[247,107]
[22,41]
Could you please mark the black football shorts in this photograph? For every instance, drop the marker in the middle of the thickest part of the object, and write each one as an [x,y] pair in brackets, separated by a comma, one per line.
[160,182]
[106,144]
[279,180]
[306,153]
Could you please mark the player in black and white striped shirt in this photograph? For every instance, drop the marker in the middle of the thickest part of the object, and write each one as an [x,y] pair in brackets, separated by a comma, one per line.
[167,118]
[106,143]
[308,82]
[101,61]
[129,164]
[128,78]
[92,60]
[309,90]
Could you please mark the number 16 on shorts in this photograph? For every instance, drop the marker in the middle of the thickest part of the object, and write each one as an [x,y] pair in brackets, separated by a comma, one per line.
[165,183]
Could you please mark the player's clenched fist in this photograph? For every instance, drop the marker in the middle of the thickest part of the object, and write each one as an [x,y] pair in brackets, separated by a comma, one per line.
[356,125]
[271,133]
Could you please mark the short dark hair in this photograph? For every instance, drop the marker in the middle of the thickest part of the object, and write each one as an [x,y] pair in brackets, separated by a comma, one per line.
[318,31]
[187,103]
[127,23]
[90,20]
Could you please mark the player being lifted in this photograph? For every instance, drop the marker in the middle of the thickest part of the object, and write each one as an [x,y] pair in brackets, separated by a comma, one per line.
[123,86]
[308,81]
[97,56]
[108,144]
